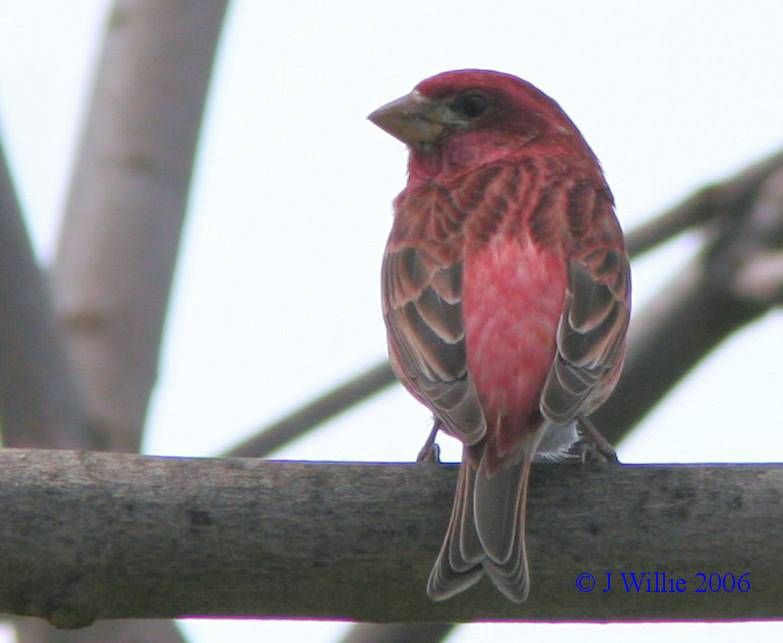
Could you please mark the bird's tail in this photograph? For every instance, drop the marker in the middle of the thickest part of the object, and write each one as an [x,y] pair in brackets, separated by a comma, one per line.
[487,528]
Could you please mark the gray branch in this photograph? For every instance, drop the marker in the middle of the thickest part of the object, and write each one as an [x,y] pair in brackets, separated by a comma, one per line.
[91,536]
[39,401]
[321,409]
[127,201]
[727,198]
[721,291]
[397,632]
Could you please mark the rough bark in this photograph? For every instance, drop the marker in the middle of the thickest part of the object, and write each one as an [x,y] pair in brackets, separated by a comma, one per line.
[99,535]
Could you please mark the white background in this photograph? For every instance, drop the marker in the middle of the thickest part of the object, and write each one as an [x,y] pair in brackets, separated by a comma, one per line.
[276,295]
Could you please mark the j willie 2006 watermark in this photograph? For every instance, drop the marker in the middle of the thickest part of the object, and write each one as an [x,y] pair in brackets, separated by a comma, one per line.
[657,582]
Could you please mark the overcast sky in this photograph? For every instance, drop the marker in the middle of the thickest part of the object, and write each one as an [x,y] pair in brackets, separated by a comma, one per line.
[277,290]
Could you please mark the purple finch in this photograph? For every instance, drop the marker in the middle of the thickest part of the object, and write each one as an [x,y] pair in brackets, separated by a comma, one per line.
[506,296]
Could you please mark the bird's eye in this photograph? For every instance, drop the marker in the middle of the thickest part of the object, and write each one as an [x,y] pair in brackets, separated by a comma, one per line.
[470,105]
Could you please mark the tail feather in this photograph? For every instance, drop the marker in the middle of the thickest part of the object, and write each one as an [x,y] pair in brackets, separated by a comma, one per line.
[497,498]
[454,571]
[487,528]
[512,577]
[471,551]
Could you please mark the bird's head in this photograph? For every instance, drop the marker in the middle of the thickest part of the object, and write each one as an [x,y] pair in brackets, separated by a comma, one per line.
[471,116]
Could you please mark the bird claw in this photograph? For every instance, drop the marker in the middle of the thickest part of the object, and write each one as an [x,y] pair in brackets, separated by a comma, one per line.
[595,447]
[430,452]
[590,453]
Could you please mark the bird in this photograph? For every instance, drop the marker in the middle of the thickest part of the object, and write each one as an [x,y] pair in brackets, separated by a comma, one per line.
[506,295]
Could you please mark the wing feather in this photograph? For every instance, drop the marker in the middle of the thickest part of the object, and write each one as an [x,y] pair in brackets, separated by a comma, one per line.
[423,310]
[596,312]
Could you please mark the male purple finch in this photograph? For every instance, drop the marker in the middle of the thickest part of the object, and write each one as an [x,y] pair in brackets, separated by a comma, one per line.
[506,296]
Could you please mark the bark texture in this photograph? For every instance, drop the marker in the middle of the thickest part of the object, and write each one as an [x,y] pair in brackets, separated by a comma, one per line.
[98,535]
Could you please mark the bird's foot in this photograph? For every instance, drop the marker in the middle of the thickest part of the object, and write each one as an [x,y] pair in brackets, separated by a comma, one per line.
[595,448]
[429,455]
[430,452]
[589,453]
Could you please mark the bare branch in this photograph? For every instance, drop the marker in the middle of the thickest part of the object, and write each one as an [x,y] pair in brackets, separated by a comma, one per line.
[39,402]
[671,336]
[755,270]
[127,202]
[726,198]
[320,410]
[109,631]
[398,632]
[715,296]
[100,535]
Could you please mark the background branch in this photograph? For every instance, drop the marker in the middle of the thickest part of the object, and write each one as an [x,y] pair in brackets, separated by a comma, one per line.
[100,535]
[724,198]
[712,298]
[321,409]
[124,214]
[39,401]
[398,632]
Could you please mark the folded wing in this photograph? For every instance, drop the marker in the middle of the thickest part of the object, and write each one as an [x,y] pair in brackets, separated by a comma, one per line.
[422,298]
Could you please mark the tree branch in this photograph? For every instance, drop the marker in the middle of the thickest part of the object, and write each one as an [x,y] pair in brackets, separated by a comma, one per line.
[98,535]
[127,201]
[671,336]
[725,198]
[121,232]
[397,632]
[716,295]
[321,409]
[39,401]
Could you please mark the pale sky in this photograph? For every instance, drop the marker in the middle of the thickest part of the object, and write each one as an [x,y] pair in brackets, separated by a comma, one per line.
[271,303]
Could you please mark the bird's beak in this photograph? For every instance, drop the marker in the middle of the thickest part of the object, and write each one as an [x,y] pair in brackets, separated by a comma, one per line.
[413,119]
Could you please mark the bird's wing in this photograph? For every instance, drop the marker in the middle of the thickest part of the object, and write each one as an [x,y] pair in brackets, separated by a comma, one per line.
[422,296]
[596,311]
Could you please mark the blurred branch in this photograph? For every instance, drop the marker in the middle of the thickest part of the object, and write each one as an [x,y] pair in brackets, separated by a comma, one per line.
[725,199]
[103,535]
[398,632]
[39,401]
[37,630]
[313,413]
[671,336]
[723,289]
[127,202]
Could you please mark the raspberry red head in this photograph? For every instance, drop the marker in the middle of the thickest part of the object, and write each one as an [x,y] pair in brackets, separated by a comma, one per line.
[464,114]
[493,100]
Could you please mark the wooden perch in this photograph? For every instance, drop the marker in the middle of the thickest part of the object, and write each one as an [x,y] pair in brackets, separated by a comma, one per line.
[91,536]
